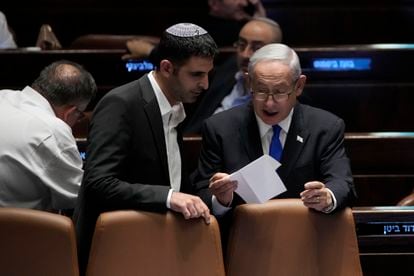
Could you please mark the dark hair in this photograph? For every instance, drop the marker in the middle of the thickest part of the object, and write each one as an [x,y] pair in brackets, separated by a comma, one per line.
[65,82]
[179,49]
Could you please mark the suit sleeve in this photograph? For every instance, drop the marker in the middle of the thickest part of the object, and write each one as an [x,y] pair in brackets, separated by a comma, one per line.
[110,144]
[335,165]
[209,163]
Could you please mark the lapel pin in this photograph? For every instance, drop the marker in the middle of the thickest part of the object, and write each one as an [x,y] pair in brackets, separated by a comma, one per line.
[299,139]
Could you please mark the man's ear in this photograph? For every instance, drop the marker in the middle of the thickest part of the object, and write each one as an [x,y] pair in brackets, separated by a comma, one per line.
[69,110]
[166,67]
[300,84]
[67,113]
[247,80]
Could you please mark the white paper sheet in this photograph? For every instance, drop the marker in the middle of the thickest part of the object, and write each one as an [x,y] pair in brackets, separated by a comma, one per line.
[258,181]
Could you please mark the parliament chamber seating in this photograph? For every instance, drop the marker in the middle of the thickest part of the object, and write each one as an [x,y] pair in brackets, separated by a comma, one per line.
[36,243]
[369,86]
[382,165]
[144,243]
[269,238]
[407,201]
[108,41]
[386,239]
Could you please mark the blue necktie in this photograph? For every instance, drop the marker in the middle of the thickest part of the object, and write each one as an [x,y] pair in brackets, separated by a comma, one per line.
[275,146]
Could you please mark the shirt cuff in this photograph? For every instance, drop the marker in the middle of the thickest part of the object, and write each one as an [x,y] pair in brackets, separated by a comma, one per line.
[334,203]
[168,203]
[218,208]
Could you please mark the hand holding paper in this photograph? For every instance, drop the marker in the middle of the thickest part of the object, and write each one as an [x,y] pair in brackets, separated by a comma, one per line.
[258,181]
[222,187]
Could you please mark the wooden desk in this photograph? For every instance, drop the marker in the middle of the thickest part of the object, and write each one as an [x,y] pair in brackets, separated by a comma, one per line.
[386,239]
[382,165]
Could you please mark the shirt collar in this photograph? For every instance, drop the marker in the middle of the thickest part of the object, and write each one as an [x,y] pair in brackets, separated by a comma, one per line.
[239,75]
[165,107]
[36,97]
[284,124]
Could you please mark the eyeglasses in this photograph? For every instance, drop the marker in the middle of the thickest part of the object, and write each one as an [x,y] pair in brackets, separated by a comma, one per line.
[276,97]
[241,45]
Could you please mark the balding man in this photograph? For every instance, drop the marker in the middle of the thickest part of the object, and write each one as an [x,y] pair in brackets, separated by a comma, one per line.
[229,87]
[40,166]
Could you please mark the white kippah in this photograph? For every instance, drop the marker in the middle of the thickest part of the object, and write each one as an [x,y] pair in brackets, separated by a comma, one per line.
[186,30]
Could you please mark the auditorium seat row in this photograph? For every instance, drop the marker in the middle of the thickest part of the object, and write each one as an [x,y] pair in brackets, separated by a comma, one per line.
[369,86]
[382,164]
[280,237]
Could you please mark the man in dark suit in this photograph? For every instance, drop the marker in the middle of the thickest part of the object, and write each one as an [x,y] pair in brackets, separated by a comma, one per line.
[134,153]
[229,86]
[314,165]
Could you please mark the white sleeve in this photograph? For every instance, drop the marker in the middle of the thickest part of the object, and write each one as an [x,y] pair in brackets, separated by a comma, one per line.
[6,38]
[219,209]
[62,171]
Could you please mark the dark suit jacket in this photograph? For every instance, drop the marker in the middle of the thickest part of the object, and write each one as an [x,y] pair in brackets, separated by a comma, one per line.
[126,165]
[221,85]
[231,140]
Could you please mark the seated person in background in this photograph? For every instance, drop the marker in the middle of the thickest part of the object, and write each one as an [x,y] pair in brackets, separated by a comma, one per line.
[314,166]
[134,155]
[6,37]
[223,21]
[230,83]
[226,18]
[237,10]
[40,165]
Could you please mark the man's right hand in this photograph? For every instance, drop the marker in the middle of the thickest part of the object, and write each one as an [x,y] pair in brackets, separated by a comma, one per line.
[190,206]
[138,48]
[222,187]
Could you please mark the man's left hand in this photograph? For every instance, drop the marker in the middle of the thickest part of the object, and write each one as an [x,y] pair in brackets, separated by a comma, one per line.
[316,196]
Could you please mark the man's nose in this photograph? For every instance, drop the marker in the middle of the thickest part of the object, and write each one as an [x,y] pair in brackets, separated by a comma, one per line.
[270,101]
[247,51]
[204,83]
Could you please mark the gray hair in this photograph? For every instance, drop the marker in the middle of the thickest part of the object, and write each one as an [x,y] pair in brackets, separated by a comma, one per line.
[277,52]
[65,82]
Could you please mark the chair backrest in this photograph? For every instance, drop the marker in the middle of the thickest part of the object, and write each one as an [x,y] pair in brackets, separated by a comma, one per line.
[283,237]
[143,243]
[407,201]
[36,243]
[108,41]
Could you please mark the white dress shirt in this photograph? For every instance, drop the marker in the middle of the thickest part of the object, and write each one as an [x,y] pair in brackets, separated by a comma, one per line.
[237,92]
[40,165]
[6,38]
[171,117]
[266,134]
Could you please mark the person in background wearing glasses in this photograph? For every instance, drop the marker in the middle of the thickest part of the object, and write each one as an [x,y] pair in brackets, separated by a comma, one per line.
[40,165]
[314,165]
[229,85]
